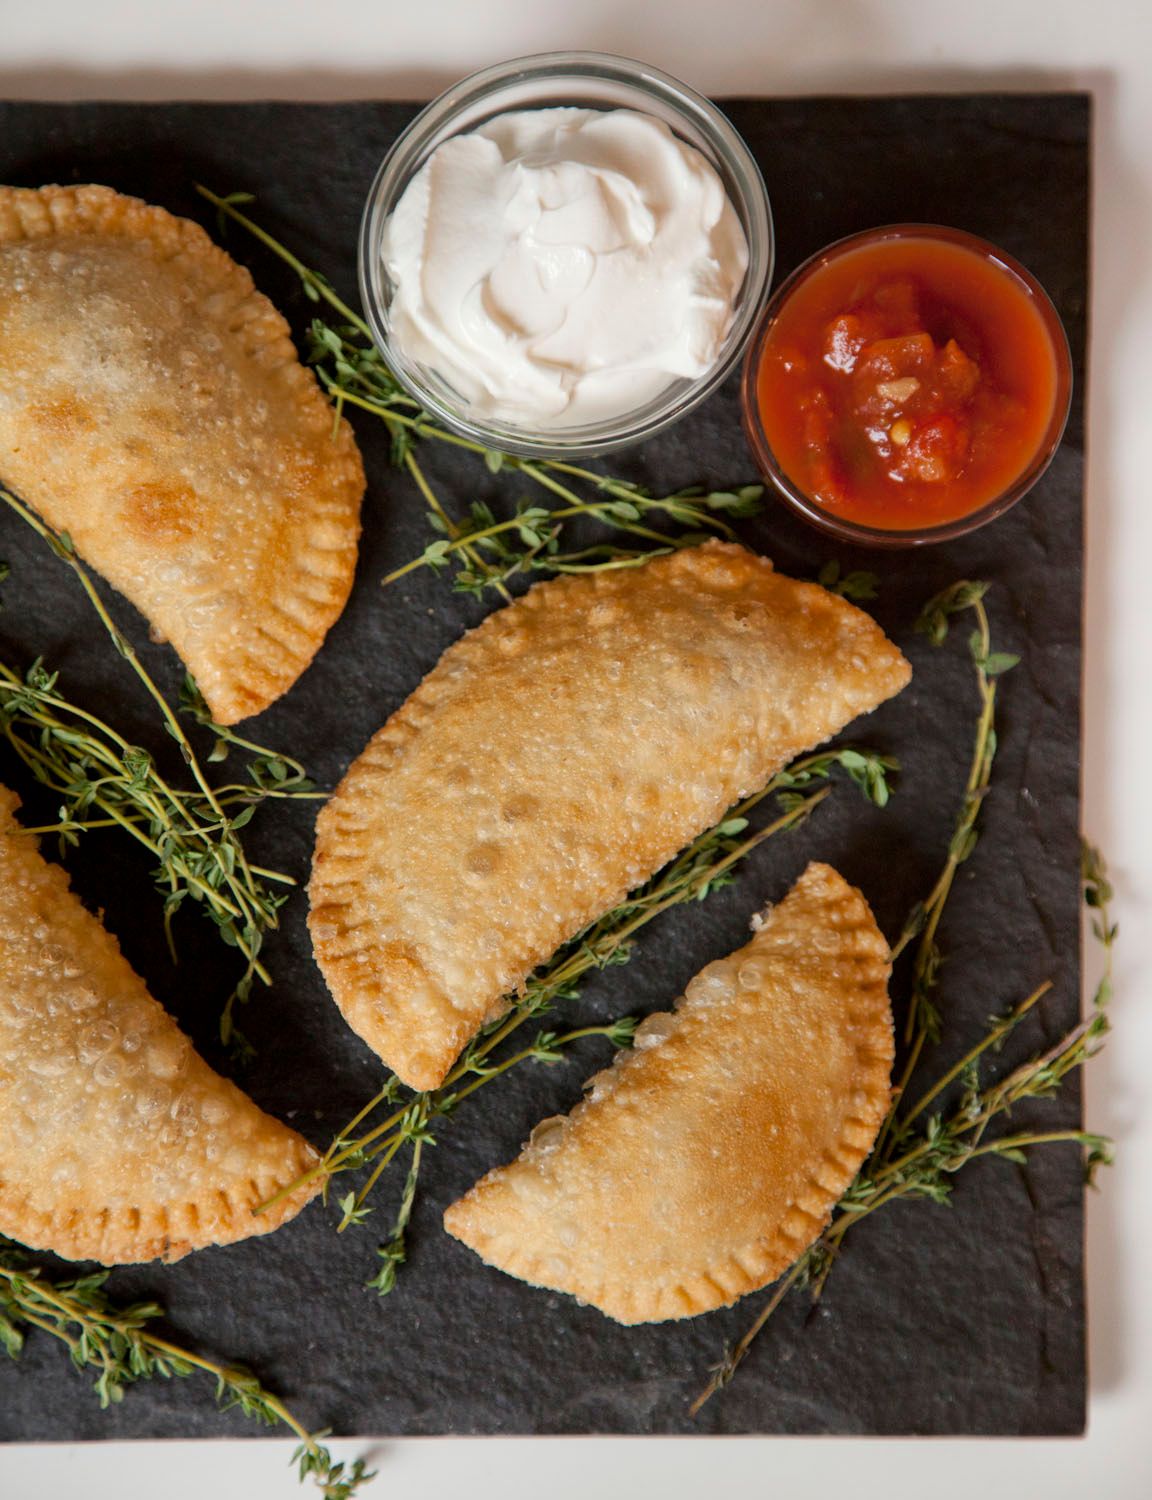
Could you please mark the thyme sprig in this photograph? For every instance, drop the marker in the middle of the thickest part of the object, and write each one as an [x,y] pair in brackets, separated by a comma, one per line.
[397,1118]
[105,781]
[923,1023]
[530,540]
[917,1153]
[118,1342]
[486,551]
[946,1143]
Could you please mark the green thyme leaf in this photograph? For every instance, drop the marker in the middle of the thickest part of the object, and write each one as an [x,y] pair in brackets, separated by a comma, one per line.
[858,585]
[118,1344]
[921,1146]
[104,781]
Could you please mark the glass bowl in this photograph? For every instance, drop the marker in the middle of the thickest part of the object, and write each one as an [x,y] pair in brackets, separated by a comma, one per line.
[589,80]
[856,532]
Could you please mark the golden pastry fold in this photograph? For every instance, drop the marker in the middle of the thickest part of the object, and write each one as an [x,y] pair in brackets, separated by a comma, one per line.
[552,761]
[153,407]
[706,1160]
[117,1141]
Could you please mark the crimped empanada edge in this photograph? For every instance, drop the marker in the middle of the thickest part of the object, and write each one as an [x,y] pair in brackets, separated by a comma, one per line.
[752,1266]
[129,1235]
[326,541]
[359,978]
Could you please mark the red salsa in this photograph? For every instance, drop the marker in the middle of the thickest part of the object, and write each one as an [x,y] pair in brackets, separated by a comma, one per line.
[907,382]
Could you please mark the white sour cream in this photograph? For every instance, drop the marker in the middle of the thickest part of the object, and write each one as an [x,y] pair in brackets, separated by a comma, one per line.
[563,266]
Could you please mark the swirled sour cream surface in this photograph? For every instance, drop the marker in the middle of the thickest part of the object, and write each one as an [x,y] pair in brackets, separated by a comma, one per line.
[562,266]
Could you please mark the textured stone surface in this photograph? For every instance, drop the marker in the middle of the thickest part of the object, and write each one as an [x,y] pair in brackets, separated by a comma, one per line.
[963,1320]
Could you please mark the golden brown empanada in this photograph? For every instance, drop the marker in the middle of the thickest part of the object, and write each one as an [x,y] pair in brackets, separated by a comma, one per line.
[117,1142]
[553,760]
[152,406]
[706,1160]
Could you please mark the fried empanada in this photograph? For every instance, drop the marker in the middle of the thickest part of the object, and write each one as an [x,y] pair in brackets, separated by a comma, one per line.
[708,1158]
[117,1142]
[153,407]
[555,758]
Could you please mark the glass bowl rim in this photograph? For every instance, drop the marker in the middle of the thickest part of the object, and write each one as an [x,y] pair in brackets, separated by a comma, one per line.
[882,537]
[744,186]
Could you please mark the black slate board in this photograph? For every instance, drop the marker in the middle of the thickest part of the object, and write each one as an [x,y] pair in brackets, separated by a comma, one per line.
[937,1321]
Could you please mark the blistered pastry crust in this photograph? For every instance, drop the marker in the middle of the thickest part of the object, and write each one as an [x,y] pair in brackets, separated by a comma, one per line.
[552,761]
[705,1161]
[152,406]
[117,1141]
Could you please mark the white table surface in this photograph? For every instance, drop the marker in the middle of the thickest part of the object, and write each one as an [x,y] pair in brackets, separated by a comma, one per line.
[302,49]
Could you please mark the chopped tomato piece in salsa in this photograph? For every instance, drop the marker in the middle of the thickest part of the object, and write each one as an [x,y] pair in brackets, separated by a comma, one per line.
[907,382]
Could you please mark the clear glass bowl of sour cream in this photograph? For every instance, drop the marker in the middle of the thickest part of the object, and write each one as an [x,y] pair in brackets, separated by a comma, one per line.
[563,254]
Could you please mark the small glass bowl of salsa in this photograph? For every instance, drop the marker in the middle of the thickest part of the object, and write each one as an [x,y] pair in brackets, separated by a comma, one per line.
[906,385]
